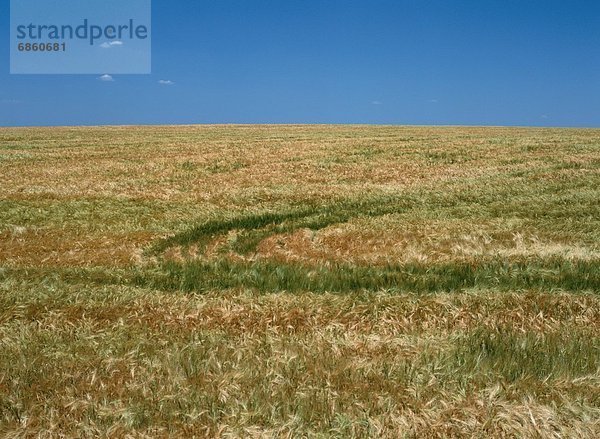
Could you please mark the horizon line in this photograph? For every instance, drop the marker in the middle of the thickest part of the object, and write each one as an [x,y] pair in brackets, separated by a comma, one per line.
[294,124]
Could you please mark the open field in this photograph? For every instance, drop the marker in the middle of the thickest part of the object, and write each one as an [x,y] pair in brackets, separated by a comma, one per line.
[291,281]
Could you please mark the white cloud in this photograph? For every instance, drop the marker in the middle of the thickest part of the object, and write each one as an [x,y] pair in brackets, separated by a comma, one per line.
[376,103]
[106,78]
[544,116]
[10,101]
[433,101]
[166,82]
[108,45]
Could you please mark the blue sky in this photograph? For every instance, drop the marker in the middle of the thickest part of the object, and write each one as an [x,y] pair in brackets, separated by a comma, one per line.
[426,62]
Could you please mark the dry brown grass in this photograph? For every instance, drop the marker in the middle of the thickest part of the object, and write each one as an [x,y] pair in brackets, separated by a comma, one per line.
[393,240]
[63,248]
[88,351]
[201,170]
[119,361]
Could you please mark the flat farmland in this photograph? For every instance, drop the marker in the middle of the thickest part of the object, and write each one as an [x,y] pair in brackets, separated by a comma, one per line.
[299,281]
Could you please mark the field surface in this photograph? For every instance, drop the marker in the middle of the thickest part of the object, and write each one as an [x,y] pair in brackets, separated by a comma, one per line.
[299,281]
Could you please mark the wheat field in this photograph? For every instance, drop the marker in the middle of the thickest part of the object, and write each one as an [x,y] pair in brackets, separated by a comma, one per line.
[299,281]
